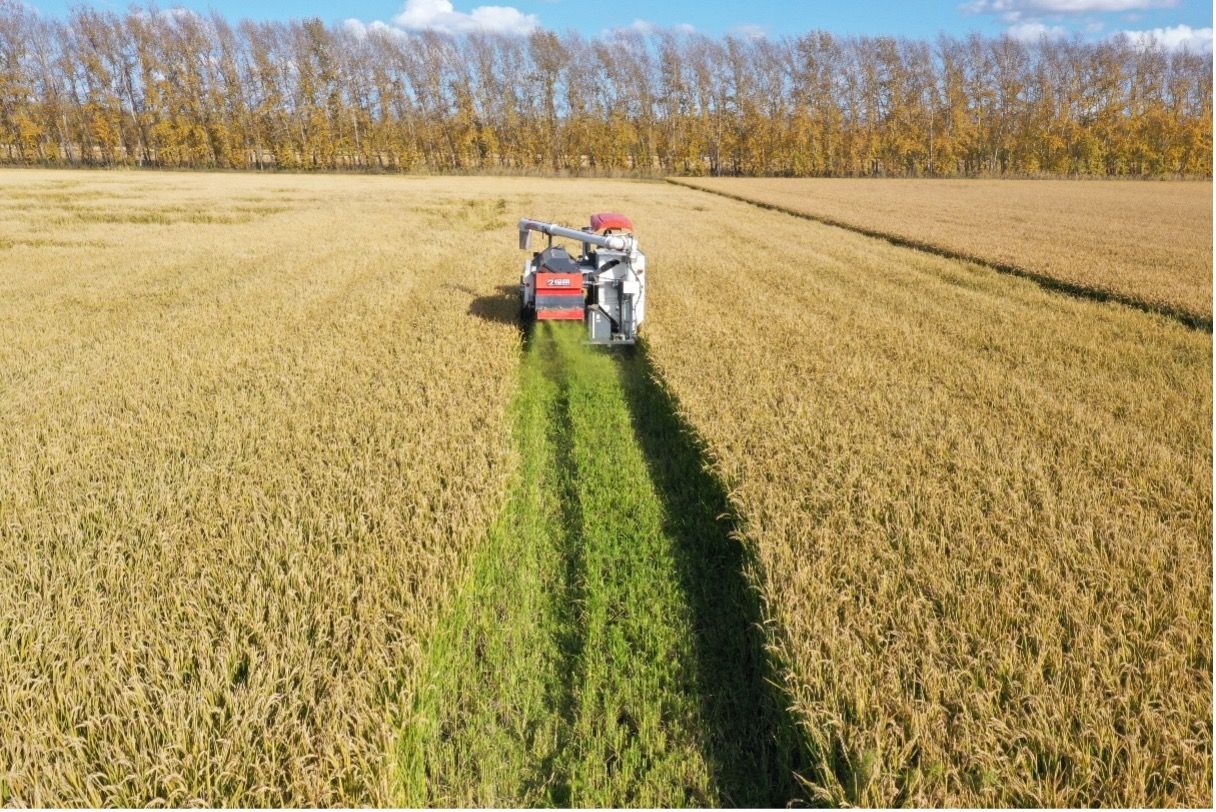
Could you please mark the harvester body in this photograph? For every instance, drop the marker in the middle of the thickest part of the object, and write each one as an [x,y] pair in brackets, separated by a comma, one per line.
[605,286]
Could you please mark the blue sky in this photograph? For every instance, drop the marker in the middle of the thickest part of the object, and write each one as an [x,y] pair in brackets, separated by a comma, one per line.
[1175,22]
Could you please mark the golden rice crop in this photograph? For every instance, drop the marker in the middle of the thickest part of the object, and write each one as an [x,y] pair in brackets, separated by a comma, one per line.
[1144,242]
[256,427]
[249,435]
[982,511]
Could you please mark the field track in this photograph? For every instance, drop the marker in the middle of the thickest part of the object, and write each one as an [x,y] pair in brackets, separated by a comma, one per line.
[292,512]
[605,651]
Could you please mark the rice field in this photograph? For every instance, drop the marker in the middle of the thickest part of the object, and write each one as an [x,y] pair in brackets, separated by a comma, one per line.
[1146,244]
[232,494]
[982,510]
[292,512]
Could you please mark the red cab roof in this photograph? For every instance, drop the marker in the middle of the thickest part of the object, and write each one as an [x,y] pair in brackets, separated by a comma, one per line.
[610,220]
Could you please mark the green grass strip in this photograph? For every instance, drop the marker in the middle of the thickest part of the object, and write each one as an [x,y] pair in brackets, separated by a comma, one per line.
[606,650]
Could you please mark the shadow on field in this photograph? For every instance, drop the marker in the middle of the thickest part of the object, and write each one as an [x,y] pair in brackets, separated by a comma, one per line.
[501,307]
[754,747]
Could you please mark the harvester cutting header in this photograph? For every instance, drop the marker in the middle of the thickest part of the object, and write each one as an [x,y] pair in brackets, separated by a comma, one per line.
[605,286]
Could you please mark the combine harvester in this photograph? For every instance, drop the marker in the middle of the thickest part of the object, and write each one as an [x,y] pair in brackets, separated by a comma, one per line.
[605,286]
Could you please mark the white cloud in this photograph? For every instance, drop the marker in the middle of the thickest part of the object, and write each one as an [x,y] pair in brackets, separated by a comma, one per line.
[1031,20]
[173,14]
[360,29]
[1034,31]
[180,13]
[646,28]
[1174,38]
[750,31]
[1019,7]
[441,15]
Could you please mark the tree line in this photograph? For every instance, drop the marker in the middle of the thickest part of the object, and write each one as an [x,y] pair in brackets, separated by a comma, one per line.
[178,89]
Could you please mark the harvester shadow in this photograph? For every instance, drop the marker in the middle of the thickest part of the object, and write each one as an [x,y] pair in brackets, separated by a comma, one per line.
[501,307]
[754,747]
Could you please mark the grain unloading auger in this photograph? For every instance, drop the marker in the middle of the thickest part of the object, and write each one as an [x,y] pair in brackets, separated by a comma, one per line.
[605,286]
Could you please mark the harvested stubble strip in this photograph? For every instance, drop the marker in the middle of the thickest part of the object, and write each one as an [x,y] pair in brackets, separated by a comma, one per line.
[1147,244]
[983,510]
